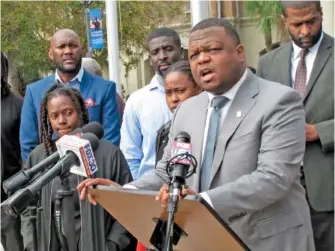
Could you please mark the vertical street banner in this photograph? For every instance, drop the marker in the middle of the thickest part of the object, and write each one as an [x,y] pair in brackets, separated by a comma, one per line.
[97,37]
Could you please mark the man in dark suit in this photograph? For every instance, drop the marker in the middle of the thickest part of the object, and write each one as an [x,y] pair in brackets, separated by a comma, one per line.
[66,52]
[307,65]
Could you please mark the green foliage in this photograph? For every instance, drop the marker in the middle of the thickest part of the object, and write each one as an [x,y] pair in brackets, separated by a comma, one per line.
[138,19]
[266,12]
[27,27]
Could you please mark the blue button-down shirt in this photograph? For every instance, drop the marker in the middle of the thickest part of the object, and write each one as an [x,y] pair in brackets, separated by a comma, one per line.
[75,82]
[145,112]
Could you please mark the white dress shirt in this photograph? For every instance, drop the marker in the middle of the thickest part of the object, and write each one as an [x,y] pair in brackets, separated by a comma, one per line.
[73,83]
[310,58]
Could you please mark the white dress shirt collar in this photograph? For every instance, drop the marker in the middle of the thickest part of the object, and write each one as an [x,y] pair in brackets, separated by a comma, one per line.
[313,50]
[231,93]
[78,77]
[157,82]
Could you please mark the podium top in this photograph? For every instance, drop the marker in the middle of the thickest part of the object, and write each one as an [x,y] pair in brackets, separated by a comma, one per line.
[138,212]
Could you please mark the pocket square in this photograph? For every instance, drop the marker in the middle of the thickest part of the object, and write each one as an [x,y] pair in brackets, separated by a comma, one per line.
[89,102]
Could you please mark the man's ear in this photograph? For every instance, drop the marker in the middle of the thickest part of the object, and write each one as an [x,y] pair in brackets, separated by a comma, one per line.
[150,61]
[50,54]
[284,20]
[240,52]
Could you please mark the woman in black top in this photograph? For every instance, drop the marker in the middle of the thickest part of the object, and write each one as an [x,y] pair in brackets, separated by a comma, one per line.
[11,106]
[179,85]
[62,111]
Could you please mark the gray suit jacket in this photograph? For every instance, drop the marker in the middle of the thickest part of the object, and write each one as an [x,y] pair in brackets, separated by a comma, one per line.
[255,174]
[319,107]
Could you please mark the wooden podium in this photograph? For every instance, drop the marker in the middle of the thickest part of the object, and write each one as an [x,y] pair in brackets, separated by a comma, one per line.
[197,226]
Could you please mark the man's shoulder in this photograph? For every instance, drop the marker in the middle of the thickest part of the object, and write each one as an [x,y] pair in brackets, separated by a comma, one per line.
[193,101]
[273,55]
[42,83]
[271,91]
[97,82]
[329,38]
[140,94]
[192,104]
[99,79]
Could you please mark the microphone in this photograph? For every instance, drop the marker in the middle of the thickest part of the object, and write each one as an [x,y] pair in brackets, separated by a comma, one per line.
[85,164]
[178,168]
[92,127]
[21,178]
[24,197]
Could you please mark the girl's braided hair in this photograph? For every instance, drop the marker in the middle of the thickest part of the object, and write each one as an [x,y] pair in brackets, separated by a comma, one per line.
[46,131]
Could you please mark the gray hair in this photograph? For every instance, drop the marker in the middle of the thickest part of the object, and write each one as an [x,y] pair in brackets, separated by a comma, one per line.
[92,66]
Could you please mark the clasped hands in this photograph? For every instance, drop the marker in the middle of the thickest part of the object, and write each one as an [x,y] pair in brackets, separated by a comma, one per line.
[162,196]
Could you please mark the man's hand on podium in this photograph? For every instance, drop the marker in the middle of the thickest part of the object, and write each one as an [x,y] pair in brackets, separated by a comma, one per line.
[163,194]
[82,187]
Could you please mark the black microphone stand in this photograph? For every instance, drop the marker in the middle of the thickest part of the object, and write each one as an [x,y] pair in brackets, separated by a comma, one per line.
[172,210]
[33,220]
[64,214]
[178,173]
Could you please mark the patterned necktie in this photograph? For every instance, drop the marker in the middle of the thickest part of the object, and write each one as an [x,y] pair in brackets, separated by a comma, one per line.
[301,73]
[214,123]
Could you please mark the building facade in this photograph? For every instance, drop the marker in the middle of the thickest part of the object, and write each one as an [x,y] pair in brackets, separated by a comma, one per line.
[251,37]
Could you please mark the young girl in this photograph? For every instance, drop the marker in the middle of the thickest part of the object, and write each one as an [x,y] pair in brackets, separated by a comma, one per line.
[62,111]
[179,85]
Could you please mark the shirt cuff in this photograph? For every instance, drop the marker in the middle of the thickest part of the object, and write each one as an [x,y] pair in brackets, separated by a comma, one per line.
[129,186]
[207,199]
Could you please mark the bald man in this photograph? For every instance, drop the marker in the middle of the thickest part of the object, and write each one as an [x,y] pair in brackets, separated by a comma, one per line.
[65,52]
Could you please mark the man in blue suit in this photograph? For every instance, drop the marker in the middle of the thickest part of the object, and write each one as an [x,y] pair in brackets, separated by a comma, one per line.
[65,51]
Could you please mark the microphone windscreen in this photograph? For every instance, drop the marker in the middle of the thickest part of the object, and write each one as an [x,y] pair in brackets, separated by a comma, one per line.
[183,137]
[94,141]
[95,128]
[77,132]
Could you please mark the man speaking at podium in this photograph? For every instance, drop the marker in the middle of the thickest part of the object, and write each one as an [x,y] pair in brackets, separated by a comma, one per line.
[248,137]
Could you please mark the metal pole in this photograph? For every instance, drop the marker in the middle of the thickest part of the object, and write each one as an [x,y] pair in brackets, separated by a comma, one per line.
[113,43]
[219,8]
[199,11]
[88,33]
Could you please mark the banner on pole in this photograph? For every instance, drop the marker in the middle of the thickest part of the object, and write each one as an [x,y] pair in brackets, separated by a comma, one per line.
[97,37]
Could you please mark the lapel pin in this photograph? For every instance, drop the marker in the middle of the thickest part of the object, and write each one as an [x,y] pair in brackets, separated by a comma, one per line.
[238,114]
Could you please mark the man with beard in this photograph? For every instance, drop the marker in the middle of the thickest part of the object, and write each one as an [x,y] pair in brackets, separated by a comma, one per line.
[65,52]
[11,106]
[146,110]
[307,65]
